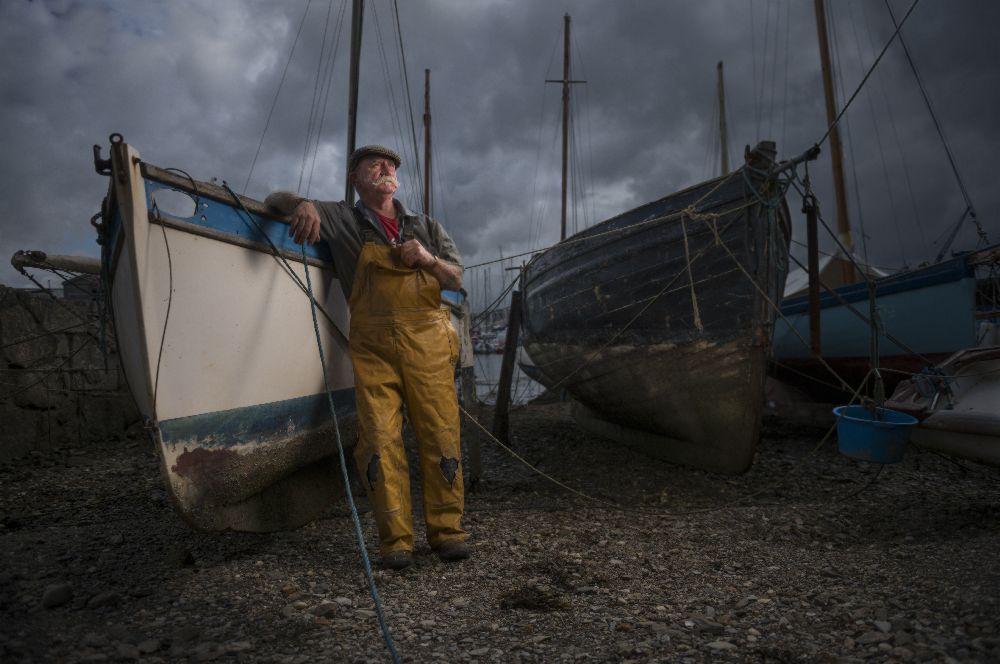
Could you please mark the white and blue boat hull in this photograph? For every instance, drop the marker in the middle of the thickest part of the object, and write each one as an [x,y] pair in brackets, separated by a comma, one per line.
[925,315]
[218,346]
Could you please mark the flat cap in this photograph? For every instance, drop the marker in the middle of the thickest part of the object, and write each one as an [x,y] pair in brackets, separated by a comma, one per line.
[369,150]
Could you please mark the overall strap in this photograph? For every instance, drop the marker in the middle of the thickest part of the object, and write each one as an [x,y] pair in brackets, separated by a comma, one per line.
[368,234]
[405,229]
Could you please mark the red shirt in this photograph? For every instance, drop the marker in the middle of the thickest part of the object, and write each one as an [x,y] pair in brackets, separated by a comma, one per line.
[391,227]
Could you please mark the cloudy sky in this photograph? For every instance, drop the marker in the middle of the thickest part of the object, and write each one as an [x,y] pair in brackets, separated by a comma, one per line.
[192,84]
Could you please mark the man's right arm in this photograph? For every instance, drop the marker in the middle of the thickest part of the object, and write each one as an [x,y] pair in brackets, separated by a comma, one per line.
[301,213]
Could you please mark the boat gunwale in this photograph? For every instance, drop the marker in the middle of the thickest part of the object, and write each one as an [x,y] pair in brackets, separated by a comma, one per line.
[532,272]
[954,269]
[206,190]
[169,221]
[627,231]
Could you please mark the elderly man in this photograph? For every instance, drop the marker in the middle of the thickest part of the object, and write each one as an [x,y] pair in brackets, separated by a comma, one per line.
[392,264]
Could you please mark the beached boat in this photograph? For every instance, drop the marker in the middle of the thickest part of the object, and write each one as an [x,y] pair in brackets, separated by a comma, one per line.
[659,321]
[958,405]
[925,315]
[218,347]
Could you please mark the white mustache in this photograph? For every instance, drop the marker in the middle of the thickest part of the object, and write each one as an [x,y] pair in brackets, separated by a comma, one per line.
[385,178]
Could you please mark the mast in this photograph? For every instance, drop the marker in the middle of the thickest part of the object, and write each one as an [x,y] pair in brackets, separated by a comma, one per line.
[565,125]
[357,14]
[427,142]
[723,139]
[565,121]
[836,153]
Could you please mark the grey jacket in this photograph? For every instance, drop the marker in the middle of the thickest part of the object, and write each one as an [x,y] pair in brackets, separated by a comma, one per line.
[341,229]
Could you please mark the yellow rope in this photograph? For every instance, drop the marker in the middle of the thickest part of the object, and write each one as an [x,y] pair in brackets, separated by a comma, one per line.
[667,514]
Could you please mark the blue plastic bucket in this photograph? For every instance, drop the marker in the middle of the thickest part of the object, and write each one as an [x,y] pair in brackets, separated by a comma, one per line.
[879,437]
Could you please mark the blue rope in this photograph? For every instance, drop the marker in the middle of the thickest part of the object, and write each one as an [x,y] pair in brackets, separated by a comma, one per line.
[386,636]
[313,304]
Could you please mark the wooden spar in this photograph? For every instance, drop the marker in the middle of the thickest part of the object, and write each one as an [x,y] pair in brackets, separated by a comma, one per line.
[815,339]
[357,15]
[501,414]
[565,121]
[723,139]
[836,152]
[427,142]
[41,260]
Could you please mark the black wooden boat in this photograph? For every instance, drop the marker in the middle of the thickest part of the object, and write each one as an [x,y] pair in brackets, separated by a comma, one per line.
[659,321]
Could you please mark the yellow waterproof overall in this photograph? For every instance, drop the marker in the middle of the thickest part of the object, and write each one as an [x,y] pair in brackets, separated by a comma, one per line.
[404,349]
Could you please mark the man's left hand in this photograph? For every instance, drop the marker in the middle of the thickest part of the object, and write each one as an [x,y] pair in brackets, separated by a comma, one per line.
[413,254]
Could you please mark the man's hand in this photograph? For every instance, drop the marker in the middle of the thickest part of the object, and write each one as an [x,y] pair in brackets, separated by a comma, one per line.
[413,254]
[304,222]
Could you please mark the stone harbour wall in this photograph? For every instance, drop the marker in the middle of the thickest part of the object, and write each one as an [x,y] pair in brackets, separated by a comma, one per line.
[57,387]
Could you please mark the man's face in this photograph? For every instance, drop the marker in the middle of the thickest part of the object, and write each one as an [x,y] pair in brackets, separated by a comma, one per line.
[375,174]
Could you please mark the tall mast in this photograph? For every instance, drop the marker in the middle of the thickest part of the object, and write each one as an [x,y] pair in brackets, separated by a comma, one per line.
[565,124]
[357,14]
[836,154]
[427,142]
[723,139]
[565,121]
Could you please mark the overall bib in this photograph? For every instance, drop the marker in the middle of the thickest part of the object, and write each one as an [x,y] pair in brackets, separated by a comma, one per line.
[404,350]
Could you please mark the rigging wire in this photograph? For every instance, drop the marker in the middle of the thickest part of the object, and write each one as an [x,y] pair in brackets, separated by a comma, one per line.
[753,54]
[534,221]
[893,212]
[774,64]
[329,86]
[854,161]
[403,111]
[394,112]
[784,93]
[277,94]
[713,157]
[892,123]
[574,170]
[532,235]
[420,175]
[436,182]
[592,197]
[543,208]
[318,84]
[937,125]
[864,80]
[838,74]
[581,109]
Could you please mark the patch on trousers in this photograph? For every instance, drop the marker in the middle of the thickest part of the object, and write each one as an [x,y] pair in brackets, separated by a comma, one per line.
[449,467]
[372,472]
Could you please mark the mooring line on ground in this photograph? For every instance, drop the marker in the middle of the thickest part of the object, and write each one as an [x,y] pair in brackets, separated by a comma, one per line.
[661,514]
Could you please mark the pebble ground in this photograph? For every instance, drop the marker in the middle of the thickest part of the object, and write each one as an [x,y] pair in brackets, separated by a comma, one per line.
[810,556]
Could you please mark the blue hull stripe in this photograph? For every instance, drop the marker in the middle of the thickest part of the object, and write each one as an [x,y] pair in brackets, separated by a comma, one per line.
[233,221]
[948,271]
[239,426]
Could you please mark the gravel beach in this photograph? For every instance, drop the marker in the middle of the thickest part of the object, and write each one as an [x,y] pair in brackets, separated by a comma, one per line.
[810,556]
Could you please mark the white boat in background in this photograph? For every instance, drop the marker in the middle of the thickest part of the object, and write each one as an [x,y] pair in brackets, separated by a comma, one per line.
[958,404]
[218,346]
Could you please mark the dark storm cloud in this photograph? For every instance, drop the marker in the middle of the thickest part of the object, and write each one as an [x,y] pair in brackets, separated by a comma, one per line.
[190,84]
